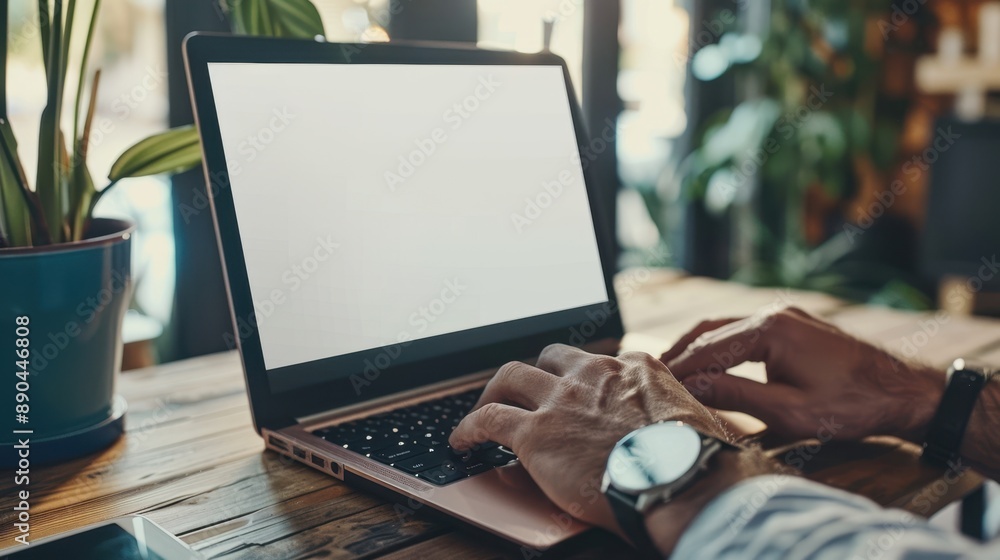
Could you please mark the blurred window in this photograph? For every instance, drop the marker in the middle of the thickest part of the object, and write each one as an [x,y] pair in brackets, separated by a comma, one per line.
[654,37]
[655,52]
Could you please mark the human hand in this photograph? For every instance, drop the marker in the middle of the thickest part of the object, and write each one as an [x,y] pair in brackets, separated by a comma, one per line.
[563,416]
[822,382]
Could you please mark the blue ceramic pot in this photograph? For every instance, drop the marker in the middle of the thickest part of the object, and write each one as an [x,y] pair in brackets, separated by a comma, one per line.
[69,300]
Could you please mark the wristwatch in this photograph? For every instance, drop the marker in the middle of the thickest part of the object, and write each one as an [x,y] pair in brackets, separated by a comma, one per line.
[651,466]
[944,434]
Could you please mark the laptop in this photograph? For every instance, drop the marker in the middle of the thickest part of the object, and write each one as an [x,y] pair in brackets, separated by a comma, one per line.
[396,222]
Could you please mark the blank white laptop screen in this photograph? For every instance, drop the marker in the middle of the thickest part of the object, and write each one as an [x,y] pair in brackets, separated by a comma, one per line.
[379,204]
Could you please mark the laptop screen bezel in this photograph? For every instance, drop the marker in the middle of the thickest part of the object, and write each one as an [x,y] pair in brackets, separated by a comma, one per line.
[334,387]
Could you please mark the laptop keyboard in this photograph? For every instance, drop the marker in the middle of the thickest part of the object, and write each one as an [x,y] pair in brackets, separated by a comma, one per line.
[414,440]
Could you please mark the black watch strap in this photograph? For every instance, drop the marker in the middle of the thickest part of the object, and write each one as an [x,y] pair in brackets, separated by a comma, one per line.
[944,435]
[632,522]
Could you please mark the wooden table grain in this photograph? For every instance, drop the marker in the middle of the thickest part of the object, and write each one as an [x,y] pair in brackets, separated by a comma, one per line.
[191,461]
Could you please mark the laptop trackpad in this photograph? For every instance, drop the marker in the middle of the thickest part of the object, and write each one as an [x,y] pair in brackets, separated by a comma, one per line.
[506,501]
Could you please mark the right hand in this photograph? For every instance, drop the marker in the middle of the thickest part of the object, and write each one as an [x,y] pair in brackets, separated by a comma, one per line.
[563,416]
[822,382]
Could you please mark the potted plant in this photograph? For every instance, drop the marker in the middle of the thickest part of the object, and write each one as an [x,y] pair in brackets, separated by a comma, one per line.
[65,278]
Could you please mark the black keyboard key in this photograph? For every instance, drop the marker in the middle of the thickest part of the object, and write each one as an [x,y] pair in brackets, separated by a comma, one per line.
[420,463]
[414,439]
[495,456]
[368,446]
[395,453]
[433,441]
[442,475]
[341,435]
[474,466]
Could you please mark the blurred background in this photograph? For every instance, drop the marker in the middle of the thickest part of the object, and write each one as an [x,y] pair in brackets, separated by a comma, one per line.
[844,146]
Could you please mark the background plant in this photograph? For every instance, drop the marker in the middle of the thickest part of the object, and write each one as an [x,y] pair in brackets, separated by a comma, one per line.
[58,206]
[816,128]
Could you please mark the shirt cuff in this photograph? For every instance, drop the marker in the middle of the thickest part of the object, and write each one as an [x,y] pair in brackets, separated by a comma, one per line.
[724,523]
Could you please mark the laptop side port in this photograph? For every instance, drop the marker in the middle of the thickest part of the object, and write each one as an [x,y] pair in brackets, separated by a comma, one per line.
[300,453]
[318,461]
[336,470]
[280,444]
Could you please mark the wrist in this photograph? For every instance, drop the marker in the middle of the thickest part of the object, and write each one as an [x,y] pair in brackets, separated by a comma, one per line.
[915,408]
[667,522]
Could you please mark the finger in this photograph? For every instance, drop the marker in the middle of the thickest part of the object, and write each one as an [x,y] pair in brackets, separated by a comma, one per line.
[729,392]
[747,340]
[496,422]
[558,359]
[518,384]
[642,360]
[686,340]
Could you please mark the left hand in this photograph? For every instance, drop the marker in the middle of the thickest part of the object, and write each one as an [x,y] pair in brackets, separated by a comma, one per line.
[821,381]
[563,417]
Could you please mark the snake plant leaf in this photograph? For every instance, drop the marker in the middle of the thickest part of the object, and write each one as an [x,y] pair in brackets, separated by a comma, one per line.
[81,79]
[49,181]
[8,152]
[44,27]
[295,19]
[81,182]
[11,206]
[173,151]
[4,16]
[83,202]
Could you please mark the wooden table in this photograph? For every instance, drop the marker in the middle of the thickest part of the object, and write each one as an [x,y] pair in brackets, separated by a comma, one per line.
[191,460]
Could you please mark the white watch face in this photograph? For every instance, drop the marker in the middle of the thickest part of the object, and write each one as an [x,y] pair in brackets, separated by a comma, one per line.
[656,455]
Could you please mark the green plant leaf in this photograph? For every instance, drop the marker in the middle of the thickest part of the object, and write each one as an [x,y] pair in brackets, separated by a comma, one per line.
[84,58]
[8,152]
[67,37]
[44,29]
[173,151]
[81,186]
[49,183]
[276,18]
[4,13]
[14,219]
[83,203]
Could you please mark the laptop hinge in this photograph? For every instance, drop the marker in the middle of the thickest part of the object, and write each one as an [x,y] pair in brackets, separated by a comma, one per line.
[603,346]
[395,397]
